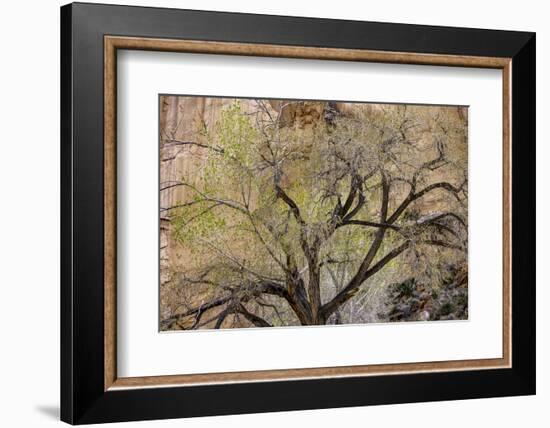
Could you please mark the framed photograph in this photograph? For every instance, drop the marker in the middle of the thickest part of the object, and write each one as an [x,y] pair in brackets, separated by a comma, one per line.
[266,213]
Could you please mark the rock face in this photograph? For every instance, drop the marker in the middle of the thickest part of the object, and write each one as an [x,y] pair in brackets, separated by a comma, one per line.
[184,118]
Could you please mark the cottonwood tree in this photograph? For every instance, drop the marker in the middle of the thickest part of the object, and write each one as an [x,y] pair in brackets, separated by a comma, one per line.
[290,226]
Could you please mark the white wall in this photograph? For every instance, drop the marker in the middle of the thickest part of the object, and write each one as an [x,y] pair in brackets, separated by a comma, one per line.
[29,225]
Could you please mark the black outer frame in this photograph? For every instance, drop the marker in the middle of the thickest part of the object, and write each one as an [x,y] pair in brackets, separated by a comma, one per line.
[83,399]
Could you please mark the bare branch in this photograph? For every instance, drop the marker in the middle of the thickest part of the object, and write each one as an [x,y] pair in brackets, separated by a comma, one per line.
[254,319]
[412,196]
[174,143]
[291,204]
[353,286]
[368,224]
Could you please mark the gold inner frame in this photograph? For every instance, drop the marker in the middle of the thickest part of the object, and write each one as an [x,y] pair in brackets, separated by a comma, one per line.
[113,43]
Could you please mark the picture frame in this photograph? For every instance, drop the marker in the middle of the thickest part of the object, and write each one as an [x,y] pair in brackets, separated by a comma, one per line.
[91,390]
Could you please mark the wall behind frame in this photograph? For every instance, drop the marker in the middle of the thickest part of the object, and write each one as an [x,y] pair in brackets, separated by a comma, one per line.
[29,220]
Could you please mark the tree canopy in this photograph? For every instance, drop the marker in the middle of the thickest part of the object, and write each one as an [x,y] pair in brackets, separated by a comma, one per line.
[290,225]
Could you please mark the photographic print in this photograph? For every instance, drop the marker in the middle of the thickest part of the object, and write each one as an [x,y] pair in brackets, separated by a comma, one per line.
[280,212]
